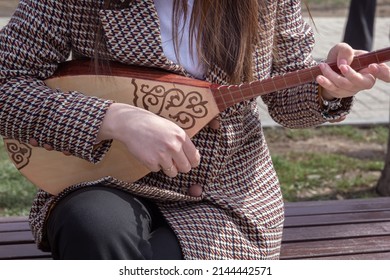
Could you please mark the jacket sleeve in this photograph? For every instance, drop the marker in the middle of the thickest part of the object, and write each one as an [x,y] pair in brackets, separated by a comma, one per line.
[32,44]
[296,107]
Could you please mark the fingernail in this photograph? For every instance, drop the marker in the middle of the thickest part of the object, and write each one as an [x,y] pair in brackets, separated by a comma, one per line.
[343,62]
[48,147]
[344,69]
[33,142]
[374,66]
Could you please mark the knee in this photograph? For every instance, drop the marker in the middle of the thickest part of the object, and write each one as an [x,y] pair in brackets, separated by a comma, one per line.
[100,223]
[78,222]
[88,213]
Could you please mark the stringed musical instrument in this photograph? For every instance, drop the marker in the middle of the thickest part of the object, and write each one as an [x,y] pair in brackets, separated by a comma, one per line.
[189,103]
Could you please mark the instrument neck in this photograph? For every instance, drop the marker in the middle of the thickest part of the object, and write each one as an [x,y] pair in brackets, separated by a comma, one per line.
[227,96]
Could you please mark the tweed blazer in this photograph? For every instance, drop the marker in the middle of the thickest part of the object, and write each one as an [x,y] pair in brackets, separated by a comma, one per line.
[240,213]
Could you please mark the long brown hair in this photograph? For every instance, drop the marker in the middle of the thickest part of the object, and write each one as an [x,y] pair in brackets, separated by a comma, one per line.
[226,32]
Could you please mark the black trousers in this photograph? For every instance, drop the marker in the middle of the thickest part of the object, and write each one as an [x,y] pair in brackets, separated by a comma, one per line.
[359,31]
[105,223]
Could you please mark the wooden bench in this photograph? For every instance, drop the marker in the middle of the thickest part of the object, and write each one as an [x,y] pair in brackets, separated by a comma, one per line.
[347,229]
[16,240]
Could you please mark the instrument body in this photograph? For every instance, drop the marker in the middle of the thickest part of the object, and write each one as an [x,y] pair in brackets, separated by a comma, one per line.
[187,102]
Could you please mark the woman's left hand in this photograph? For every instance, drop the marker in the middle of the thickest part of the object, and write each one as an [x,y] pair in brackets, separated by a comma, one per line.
[348,82]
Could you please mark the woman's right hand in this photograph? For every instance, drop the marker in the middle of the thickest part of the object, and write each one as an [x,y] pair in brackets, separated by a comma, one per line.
[156,142]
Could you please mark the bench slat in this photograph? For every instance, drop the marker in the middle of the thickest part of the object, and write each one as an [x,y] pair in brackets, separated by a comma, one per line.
[333,219]
[337,206]
[336,231]
[368,256]
[13,219]
[22,251]
[16,237]
[15,226]
[345,248]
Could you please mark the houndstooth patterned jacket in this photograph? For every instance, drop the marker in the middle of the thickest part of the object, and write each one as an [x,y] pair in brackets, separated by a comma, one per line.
[240,214]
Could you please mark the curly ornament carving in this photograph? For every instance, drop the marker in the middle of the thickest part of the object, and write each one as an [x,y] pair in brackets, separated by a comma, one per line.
[19,153]
[182,107]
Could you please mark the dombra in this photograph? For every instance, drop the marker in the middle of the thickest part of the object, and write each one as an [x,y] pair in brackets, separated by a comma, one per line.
[189,103]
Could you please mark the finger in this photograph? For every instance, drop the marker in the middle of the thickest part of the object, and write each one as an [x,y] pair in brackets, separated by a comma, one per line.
[170,171]
[380,71]
[191,152]
[329,74]
[48,147]
[329,86]
[357,81]
[341,53]
[334,82]
[360,52]
[33,142]
[181,162]
[215,123]
[345,54]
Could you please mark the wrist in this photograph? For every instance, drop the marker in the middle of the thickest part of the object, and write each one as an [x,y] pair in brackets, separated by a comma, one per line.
[325,95]
[327,101]
[109,125]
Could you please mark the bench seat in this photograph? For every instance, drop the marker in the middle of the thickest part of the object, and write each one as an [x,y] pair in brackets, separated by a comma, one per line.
[339,230]
[16,240]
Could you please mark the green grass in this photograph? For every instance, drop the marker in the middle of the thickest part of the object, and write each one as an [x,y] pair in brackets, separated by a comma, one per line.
[370,134]
[16,193]
[314,175]
[325,176]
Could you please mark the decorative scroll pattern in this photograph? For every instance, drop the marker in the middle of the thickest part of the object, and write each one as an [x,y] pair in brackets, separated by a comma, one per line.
[19,153]
[184,108]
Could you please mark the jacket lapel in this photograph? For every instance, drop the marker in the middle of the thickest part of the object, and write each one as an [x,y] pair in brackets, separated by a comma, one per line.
[133,36]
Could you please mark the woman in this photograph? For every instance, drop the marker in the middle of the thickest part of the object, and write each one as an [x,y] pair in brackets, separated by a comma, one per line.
[219,197]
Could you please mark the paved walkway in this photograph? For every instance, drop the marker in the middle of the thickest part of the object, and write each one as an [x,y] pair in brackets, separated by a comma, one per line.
[371,107]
